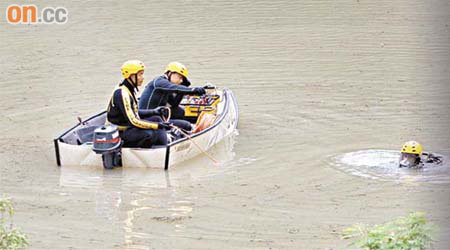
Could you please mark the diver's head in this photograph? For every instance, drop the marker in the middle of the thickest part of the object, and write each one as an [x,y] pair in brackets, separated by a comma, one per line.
[133,70]
[410,154]
[177,73]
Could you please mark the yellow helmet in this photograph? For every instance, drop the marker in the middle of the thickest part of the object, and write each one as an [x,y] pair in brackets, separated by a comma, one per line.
[178,68]
[412,147]
[131,67]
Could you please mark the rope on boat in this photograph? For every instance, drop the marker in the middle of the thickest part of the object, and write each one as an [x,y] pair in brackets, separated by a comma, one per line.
[198,146]
[189,137]
[168,116]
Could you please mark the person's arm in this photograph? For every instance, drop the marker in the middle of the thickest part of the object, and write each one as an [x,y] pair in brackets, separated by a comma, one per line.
[174,101]
[166,86]
[144,113]
[127,110]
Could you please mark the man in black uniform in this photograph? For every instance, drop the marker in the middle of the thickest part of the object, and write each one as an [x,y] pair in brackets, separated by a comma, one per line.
[137,129]
[169,89]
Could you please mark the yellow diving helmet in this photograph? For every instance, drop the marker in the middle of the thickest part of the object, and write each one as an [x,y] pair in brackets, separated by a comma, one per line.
[410,154]
[180,69]
[412,147]
[131,67]
[177,67]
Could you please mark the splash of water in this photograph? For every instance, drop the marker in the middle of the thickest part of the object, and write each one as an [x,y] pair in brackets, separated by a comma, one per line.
[383,165]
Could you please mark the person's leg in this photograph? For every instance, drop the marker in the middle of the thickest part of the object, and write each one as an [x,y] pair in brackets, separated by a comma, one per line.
[179,120]
[153,137]
[154,118]
[159,137]
[145,138]
[134,137]
[177,113]
[185,125]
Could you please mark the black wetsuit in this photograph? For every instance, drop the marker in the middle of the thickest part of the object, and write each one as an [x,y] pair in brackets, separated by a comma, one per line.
[431,158]
[160,92]
[426,159]
[135,131]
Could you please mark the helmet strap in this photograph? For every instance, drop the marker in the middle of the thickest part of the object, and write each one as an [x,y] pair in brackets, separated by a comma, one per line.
[133,82]
[136,82]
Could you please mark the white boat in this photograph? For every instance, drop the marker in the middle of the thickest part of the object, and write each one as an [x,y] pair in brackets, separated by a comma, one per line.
[74,146]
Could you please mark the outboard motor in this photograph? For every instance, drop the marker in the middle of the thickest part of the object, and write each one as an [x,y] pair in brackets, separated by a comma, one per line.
[107,142]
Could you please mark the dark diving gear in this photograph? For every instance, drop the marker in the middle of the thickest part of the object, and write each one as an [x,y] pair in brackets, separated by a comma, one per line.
[432,158]
[134,130]
[408,160]
[417,161]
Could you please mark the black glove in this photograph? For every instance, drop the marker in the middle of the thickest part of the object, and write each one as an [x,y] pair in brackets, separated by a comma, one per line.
[164,112]
[199,91]
[159,110]
[165,125]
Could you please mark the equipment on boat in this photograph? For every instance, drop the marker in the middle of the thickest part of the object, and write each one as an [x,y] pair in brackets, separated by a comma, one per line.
[108,143]
[195,105]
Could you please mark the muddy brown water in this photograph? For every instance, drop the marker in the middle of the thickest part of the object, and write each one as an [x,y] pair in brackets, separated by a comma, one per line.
[313,79]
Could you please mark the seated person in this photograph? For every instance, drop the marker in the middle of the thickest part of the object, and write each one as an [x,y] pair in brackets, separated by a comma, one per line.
[123,111]
[168,90]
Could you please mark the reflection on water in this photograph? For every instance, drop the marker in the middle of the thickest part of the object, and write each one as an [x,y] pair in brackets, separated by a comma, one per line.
[107,205]
[383,165]
[127,195]
[141,178]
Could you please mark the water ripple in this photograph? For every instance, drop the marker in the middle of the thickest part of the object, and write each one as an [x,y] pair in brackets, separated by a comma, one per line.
[383,165]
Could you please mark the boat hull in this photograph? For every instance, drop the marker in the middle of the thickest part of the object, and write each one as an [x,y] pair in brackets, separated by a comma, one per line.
[69,153]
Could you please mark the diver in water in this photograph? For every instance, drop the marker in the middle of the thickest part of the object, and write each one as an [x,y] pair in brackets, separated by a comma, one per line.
[412,156]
